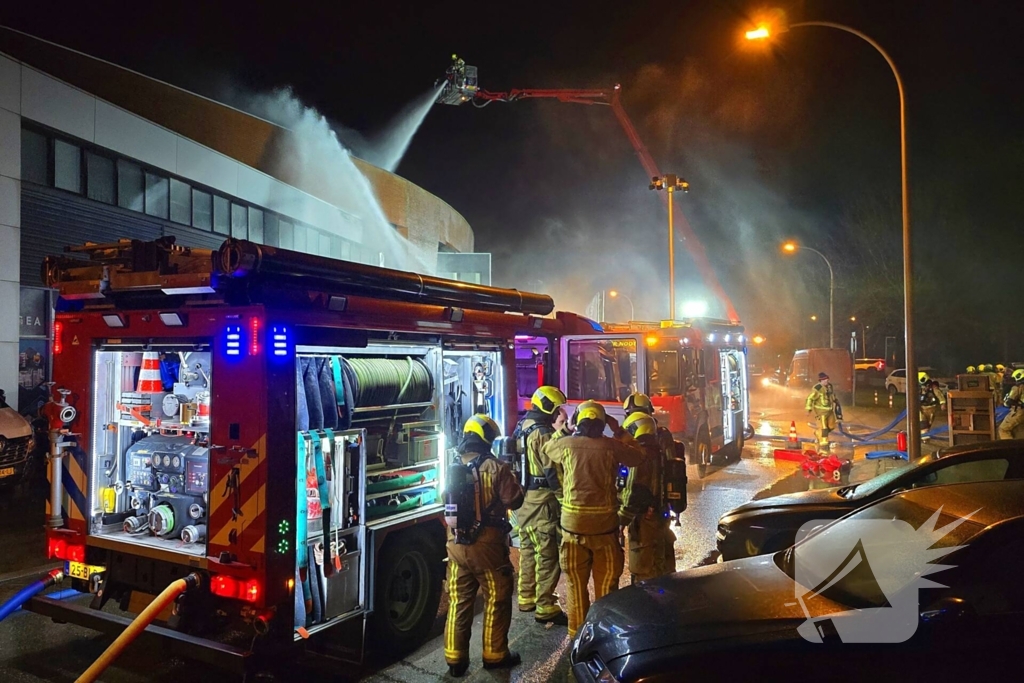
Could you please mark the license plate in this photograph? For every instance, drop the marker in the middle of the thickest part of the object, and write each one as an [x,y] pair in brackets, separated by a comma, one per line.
[6,472]
[80,570]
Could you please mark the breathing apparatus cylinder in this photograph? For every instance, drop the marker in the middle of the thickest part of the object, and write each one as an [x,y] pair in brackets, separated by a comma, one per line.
[674,480]
[460,502]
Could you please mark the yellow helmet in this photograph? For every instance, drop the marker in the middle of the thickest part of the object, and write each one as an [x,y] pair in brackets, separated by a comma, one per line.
[971,370]
[638,403]
[484,427]
[1018,375]
[1000,367]
[922,376]
[589,410]
[546,399]
[640,424]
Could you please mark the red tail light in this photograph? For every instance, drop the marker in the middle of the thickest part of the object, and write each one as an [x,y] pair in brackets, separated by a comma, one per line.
[253,590]
[60,549]
[58,342]
[880,365]
[224,586]
[230,587]
[57,548]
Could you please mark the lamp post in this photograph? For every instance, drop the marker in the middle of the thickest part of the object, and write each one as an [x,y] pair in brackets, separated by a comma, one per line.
[913,417]
[671,183]
[615,294]
[792,247]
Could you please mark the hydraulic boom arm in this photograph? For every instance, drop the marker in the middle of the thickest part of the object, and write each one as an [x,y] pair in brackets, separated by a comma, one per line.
[461,86]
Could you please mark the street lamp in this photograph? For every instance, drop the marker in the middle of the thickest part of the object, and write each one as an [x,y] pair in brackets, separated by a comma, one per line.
[670,183]
[792,247]
[913,417]
[758,339]
[615,294]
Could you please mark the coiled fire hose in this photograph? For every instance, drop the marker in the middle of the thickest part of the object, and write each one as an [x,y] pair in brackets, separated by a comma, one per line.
[386,381]
[138,625]
[26,593]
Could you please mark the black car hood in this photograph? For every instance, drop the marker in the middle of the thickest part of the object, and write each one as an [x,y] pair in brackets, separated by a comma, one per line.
[814,497]
[732,599]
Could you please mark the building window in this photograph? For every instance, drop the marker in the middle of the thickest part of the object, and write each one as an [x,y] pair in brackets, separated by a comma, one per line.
[202,210]
[156,195]
[271,230]
[221,215]
[239,221]
[99,178]
[256,225]
[35,158]
[181,202]
[346,250]
[300,237]
[67,166]
[287,236]
[325,245]
[130,186]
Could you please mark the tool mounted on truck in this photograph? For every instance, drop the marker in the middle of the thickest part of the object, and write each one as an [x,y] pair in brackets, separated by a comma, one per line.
[461,85]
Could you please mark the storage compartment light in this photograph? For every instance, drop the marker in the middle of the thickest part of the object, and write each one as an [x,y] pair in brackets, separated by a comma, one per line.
[172,319]
[114,320]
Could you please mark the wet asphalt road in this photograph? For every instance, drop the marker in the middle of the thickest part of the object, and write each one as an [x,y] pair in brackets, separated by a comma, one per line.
[33,648]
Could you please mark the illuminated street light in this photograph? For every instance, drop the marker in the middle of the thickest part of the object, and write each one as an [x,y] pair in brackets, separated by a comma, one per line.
[670,183]
[792,247]
[913,417]
[853,318]
[615,294]
[758,339]
[814,318]
[695,309]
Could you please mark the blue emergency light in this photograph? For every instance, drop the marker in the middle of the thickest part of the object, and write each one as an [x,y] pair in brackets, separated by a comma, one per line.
[279,340]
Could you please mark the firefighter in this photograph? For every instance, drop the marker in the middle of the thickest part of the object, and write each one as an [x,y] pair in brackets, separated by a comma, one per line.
[971,370]
[651,541]
[997,383]
[1015,402]
[931,399]
[538,518]
[478,557]
[587,463]
[822,402]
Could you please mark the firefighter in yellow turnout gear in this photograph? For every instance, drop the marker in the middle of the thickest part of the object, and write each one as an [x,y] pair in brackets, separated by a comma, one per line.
[651,541]
[588,462]
[478,556]
[1015,402]
[539,534]
[822,402]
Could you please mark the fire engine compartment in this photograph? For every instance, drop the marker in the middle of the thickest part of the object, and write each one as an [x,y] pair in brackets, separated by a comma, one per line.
[149,465]
[391,410]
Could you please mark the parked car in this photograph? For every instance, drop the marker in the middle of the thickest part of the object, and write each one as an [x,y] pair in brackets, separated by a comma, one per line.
[770,524]
[896,382]
[15,444]
[739,620]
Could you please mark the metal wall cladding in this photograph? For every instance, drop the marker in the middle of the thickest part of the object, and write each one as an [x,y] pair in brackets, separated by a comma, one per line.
[52,219]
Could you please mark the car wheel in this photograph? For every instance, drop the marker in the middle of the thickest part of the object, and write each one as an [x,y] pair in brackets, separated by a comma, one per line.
[409,582]
[892,390]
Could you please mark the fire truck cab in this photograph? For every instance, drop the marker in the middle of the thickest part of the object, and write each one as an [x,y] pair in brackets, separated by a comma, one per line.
[695,372]
[275,422]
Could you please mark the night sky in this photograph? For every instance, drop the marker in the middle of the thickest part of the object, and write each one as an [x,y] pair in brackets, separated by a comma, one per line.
[796,139]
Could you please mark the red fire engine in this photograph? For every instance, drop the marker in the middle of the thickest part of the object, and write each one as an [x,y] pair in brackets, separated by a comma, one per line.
[272,427]
[695,372]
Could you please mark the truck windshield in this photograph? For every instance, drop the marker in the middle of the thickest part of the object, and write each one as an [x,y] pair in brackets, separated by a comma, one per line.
[663,372]
[601,369]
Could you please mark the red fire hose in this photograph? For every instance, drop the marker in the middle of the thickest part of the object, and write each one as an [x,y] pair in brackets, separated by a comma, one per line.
[137,626]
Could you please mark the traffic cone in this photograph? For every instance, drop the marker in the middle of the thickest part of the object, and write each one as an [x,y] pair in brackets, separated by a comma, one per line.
[793,441]
[149,376]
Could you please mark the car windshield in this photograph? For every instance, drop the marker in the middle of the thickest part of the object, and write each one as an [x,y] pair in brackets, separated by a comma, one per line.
[882,481]
[859,586]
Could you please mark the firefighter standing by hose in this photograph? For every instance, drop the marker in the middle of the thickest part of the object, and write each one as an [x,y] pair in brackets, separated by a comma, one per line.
[480,494]
[651,541]
[823,403]
[539,535]
[931,399]
[1015,402]
[588,462]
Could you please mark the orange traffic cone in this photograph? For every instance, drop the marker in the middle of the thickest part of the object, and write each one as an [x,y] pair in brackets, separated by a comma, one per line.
[793,441]
[149,376]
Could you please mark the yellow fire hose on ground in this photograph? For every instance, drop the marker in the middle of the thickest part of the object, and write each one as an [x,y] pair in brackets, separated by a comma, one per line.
[137,626]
